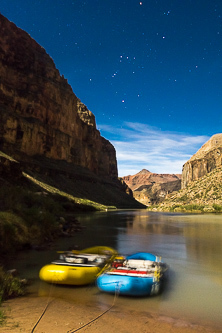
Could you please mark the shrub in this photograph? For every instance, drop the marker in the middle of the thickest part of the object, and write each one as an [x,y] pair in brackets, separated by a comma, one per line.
[217,208]
[42,225]
[194,207]
[10,286]
[183,198]
[2,318]
[172,209]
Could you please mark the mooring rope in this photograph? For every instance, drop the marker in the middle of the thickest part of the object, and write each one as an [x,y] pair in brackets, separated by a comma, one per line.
[48,302]
[91,321]
[75,330]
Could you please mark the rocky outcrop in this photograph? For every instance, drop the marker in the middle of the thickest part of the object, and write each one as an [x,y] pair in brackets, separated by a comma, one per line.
[207,158]
[156,193]
[151,188]
[40,114]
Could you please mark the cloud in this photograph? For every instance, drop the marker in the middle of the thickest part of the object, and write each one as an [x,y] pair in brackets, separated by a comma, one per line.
[140,146]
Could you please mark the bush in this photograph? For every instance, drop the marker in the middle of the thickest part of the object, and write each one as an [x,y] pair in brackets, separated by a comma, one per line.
[183,198]
[194,208]
[172,209]
[2,318]
[217,208]
[42,224]
[10,286]
[26,217]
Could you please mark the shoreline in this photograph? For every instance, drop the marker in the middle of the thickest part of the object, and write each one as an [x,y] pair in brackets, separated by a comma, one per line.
[62,316]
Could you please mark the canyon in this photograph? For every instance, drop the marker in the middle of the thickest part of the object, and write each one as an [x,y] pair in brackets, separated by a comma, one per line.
[46,131]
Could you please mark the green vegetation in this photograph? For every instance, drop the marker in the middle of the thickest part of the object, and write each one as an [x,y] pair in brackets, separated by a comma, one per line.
[217,208]
[2,318]
[26,218]
[82,203]
[187,208]
[10,286]
[30,217]
[30,212]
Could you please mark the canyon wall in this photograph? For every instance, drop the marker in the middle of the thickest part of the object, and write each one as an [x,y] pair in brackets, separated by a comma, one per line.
[40,114]
[207,158]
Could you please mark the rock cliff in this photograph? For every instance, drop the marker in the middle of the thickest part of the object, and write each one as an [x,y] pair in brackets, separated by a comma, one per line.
[39,113]
[151,188]
[207,158]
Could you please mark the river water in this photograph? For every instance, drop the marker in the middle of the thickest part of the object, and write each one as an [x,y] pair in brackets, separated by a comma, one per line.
[190,244]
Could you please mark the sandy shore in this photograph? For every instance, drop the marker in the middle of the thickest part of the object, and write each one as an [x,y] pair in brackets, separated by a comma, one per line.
[64,317]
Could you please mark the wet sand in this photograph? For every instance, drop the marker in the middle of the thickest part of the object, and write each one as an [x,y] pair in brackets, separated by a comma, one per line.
[65,317]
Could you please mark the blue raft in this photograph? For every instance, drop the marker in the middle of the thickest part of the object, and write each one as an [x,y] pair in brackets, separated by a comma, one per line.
[140,274]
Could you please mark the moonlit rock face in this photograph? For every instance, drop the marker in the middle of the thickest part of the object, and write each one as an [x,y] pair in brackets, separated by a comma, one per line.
[214,142]
[40,114]
[207,158]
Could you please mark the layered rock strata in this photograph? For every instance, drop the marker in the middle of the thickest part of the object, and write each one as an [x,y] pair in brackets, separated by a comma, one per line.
[40,114]
[207,158]
[151,188]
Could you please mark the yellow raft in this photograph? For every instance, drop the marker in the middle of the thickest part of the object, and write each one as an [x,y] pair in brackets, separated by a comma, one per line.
[78,267]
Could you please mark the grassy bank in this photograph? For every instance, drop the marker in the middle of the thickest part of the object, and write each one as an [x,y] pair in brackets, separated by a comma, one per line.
[36,206]
[177,208]
[35,214]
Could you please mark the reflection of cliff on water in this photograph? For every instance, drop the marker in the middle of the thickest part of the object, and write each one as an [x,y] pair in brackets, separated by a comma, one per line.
[203,236]
[150,223]
[199,237]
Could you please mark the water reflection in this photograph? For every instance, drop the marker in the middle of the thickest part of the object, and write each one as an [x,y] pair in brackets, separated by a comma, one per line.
[190,244]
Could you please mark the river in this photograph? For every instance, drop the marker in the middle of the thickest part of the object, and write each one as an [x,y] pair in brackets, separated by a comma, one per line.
[190,244]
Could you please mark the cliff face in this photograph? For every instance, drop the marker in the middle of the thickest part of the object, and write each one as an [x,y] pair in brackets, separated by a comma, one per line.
[207,158]
[151,188]
[40,114]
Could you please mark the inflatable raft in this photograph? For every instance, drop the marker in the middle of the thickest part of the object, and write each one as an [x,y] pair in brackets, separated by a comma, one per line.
[78,267]
[140,274]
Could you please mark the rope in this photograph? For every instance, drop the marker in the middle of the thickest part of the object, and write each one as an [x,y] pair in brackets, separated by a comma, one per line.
[71,331]
[48,302]
[41,316]
[78,329]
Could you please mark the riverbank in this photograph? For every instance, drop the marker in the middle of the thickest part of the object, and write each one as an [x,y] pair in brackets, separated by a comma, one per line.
[62,316]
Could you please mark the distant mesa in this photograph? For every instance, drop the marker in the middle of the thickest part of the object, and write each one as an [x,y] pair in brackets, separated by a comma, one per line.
[151,188]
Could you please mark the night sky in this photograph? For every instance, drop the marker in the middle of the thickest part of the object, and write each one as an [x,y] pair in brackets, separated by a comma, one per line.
[150,71]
